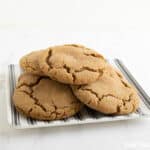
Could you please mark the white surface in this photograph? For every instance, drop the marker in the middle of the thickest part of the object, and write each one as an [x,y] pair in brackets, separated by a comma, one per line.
[115,28]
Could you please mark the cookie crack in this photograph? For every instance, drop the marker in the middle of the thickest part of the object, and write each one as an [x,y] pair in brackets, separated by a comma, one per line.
[29,66]
[123,82]
[118,110]
[118,107]
[73,72]
[99,71]
[111,95]
[36,101]
[26,64]
[86,68]
[106,95]
[30,110]
[48,57]
[68,70]
[32,84]
[91,91]
[118,75]
[94,55]
[54,105]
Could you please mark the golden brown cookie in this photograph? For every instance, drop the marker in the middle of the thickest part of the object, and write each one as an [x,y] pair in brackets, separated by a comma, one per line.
[72,64]
[111,94]
[44,99]
[30,62]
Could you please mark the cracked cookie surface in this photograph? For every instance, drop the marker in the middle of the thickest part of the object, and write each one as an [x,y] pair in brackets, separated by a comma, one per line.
[44,99]
[30,62]
[72,64]
[111,94]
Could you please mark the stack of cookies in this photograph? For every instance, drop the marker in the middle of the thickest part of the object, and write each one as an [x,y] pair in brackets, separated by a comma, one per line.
[59,81]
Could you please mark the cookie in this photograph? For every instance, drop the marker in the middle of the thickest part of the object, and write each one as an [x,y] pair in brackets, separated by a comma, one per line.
[44,99]
[29,63]
[72,64]
[111,94]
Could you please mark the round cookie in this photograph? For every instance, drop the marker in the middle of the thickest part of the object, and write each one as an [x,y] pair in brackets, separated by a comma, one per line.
[30,62]
[72,64]
[111,94]
[44,99]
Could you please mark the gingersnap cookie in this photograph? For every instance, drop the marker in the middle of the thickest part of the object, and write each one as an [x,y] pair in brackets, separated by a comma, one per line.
[30,62]
[111,94]
[44,99]
[72,64]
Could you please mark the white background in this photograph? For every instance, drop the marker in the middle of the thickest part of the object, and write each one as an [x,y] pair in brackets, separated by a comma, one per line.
[115,28]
